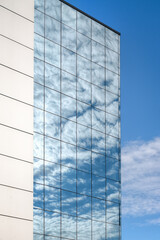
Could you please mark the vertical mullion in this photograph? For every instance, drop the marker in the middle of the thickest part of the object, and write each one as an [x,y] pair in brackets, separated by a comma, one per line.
[60,119]
[76,133]
[91,129]
[44,137]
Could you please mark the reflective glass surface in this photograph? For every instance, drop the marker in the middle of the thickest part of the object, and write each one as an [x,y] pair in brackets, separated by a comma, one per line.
[76,126]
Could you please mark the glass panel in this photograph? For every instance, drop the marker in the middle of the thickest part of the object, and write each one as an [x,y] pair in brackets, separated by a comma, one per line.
[112,125]
[83,136]
[113,232]
[113,212]
[52,199]
[68,227]
[52,29]
[113,189]
[98,186]
[52,77]
[38,47]
[112,169]
[69,84]
[98,164]
[68,16]
[69,203]
[38,96]
[83,206]
[52,101]
[83,46]
[98,75]
[38,146]
[84,114]
[83,24]
[69,61]
[38,170]
[38,121]
[98,53]
[68,37]
[37,237]
[52,174]
[83,229]
[38,196]
[52,125]
[98,97]
[84,68]
[98,142]
[52,224]
[68,107]
[98,119]
[68,131]
[52,8]
[98,230]
[112,147]
[51,238]
[39,22]
[38,71]
[68,179]
[38,221]
[52,53]
[52,150]
[83,159]
[112,41]
[39,4]
[98,209]
[84,91]
[112,103]
[68,155]
[83,183]
[112,61]
[98,32]
[112,82]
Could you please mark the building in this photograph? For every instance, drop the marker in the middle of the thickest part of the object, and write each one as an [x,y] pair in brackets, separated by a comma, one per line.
[76,159]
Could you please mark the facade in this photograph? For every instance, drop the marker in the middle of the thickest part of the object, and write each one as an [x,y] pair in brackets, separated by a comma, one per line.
[66,183]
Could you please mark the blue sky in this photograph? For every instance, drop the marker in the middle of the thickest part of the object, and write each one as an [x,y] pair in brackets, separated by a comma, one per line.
[139,24]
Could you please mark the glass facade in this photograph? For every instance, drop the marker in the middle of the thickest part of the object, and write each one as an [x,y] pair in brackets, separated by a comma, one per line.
[76,126]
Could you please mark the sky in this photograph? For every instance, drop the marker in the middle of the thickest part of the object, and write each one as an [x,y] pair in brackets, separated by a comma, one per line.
[139,24]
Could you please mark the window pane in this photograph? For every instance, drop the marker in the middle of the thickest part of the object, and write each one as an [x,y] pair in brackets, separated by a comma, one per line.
[98,209]
[69,84]
[98,53]
[52,224]
[52,125]
[68,37]
[69,203]
[98,32]
[83,24]
[52,174]
[84,68]
[98,75]
[52,199]
[38,96]
[83,46]
[112,40]
[52,101]
[98,142]
[68,16]
[68,227]
[98,186]
[98,231]
[112,147]
[112,169]
[37,237]
[38,71]
[98,97]
[113,212]
[112,82]
[38,221]
[83,183]
[68,179]
[52,150]
[38,146]
[84,91]
[39,4]
[68,107]
[38,47]
[38,196]
[98,164]
[68,131]
[84,114]
[52,77]
[83,136]
[39,22]
[83,159]
[69,61]
[68,155]
[112,61]
[83,206]
[112,103]
[38,170]
[52,53]
[113,190]
[52,8]
[113,232]
[112,125]
[84,229]
[52,29]
[98,119]
[38,120]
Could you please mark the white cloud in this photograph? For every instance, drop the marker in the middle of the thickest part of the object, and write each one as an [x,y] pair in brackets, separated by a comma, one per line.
[141,178]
